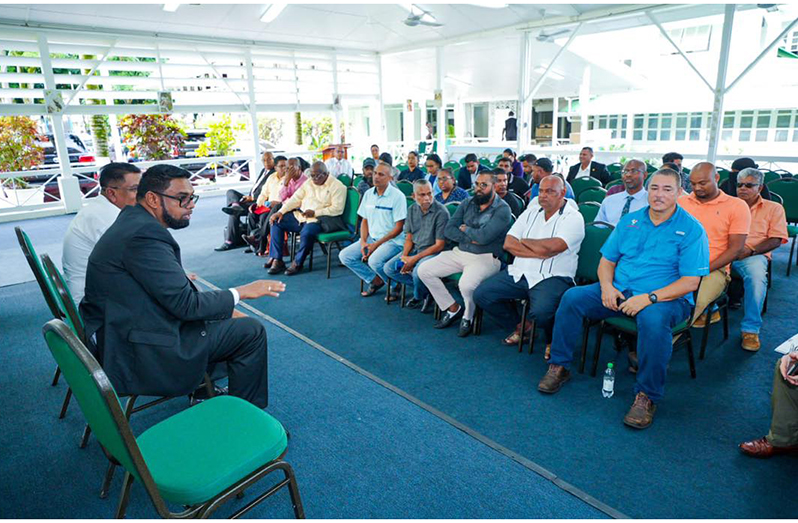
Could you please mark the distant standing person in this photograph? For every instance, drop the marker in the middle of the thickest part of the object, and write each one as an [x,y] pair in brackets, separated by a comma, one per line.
[510,131]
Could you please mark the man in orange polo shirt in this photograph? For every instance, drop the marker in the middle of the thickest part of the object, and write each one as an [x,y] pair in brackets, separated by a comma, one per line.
[768,231]
[726,220]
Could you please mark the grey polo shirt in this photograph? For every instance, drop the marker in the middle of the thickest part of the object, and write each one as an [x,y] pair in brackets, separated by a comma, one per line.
[426,228]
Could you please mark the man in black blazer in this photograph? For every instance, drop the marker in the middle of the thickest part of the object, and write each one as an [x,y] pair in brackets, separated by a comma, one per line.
[587,167]
[155,333]
[238,204]
[467,174]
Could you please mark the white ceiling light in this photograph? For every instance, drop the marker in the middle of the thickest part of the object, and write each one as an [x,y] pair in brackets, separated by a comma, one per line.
[171,6]
[552,75]
[272,12]
[490,5]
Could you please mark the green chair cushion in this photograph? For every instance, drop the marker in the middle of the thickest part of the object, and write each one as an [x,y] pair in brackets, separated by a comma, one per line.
[792,231]
[335,236]
[198,453]
[627,324]
[454,277]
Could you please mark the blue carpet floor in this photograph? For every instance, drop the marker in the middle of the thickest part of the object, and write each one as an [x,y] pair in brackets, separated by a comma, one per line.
[686,465]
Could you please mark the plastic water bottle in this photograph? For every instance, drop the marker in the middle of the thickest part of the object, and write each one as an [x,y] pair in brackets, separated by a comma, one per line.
[609,382]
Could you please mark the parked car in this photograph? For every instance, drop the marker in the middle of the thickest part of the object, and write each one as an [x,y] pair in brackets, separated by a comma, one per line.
[78,154]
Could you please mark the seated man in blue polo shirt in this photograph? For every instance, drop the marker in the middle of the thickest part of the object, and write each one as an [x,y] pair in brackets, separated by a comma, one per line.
[383,209]
[650,265]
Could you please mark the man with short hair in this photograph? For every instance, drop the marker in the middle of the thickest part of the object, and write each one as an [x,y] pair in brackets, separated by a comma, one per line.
[317,207]
[510,131]
[650,265]
[516,184]
[478,227]
[545,241]
[515,202]
[768,231]
[468,174]
[676,160]
[413,171]
[673,158]
[424,238]
[527,163]
[368,172]
[729,185]
[338,165]
[587,167]
[238,205]
[542,168]
[449,192]
[633,197]
[384,210]
[156,334]
[727,221]
[118,185]
[518,169]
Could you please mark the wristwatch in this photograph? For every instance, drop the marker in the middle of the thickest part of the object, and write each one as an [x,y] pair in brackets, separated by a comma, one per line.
[652,297]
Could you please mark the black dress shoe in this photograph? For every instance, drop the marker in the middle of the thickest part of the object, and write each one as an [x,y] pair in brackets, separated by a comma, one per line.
[277,268]
[293,269]
[413,303]
[426,305]
[449,318]
[234,210]
[224,247]
[248,250]
[465,328]
[201,394]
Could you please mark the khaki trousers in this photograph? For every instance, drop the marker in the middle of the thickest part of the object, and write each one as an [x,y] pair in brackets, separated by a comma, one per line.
[711,287]
[784,401]
[476,268]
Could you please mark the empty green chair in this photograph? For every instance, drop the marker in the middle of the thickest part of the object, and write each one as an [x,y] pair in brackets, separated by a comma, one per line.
[589,211]
[350,219]
[197,459]
[771,176]
[594,194]
[787,188]
[486,162]
[406,187]
[586,182]
[454,166]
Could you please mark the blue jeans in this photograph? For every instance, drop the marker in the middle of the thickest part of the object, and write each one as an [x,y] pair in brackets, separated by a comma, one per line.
[353,258]
[419,289]
[308,232]
[654,338]
[754,272]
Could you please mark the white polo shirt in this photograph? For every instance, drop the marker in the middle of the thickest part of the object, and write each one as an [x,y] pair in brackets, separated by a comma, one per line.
[584,173]
[81,236]
[566,224]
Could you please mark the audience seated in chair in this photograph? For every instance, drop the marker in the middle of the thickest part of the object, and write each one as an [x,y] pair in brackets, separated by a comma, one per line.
[514,200]
[413,171]
[433,163]
[268,202]
[368,172]
[527,162]
[517,168]
[633,196]
[768,231]
[118,185]
[238,205]
[375,153]
[545,241]
[384,210]
[315,207]
[424,239]
[729,185]
[726,220]
[783,435]
[542,168]
[156,334]
[478,226]
[468,174]
[515,183]
[650,265]
[338,165]
[449,192]
[587,167]
[676,160]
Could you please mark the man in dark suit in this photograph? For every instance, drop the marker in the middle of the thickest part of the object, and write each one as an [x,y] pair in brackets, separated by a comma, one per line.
[467,174]
[238,204]
[155,333]
[587,167]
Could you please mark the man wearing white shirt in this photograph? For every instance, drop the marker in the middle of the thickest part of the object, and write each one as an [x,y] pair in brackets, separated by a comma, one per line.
[118,185]
[634,197]
[338,165]
[545,241]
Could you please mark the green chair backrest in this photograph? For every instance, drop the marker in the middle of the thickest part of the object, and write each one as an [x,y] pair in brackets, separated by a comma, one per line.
[685,170]
[401,166]
[613,183]
[357,181]
[350,209]
[594,194]
[410,201]
[94,393]
[776,198]
[454,166]
[65,301]
[615,168]
[486,162]
[771,176]
[590,251]
[462,161]
[422,147]
[723,174]
[435,146]
[406,187]
[452,207]
[498,157]
[589,211]
[586,182]
[35,264]
[787,188]
[650,168]
[345,179]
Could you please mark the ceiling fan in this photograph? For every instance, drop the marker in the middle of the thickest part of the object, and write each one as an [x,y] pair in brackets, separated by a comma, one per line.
[543,37]
[418,16]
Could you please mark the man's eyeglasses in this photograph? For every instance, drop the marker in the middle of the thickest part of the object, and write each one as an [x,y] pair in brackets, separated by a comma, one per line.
[482,185]
[319,174]
[747,185]
[184,200]
[120,188]
[630,171]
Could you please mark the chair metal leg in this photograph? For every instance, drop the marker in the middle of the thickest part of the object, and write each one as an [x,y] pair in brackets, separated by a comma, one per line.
[524,312]
[123,500]
[792,250]
[329,260]
[402,296]
[85,439]
[597,350]
[532,332]
[109,476]
[690,356]
[705,337]
[310,263]
[56,376]
[65,404]
[726,321]
[293,490]
[478,316]
[585,332]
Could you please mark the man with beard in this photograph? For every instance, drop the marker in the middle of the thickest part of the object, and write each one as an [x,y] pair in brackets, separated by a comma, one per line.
[156,334]
[478,226]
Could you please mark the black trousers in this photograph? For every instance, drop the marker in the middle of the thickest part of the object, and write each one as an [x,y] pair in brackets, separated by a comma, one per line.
[497,296]
[258,225]
[240,343]
[235,227]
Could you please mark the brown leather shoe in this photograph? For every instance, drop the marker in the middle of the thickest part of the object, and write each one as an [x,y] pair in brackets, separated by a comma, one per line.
[702,320]
[761,448]
[641,414]
[275,267]
[554,379]
[293,269]
[751,342]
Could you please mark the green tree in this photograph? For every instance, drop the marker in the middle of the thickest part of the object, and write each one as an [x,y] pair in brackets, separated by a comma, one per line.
[221,138]
[270,129]
[18,147]
[152,136]
[317,132]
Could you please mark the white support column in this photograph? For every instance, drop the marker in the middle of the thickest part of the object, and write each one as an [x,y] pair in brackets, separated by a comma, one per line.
[555,124]
[562,49]
[336,101]
[584,102]
[68,184]
[720,84]
[442,107]
[383,126]
[460,123]
[256,164]
[524,108]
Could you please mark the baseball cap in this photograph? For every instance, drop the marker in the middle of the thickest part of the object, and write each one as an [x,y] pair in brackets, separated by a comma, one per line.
[545,164]
[369,162]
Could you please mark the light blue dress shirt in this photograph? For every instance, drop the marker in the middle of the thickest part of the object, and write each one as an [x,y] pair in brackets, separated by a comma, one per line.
[612,206]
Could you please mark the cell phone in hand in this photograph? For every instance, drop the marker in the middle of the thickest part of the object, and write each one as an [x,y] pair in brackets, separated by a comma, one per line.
[793,371]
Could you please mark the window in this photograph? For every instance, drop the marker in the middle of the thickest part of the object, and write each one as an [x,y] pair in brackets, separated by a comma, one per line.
[623,127]
[638,130]
[690,39]
[783,119]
